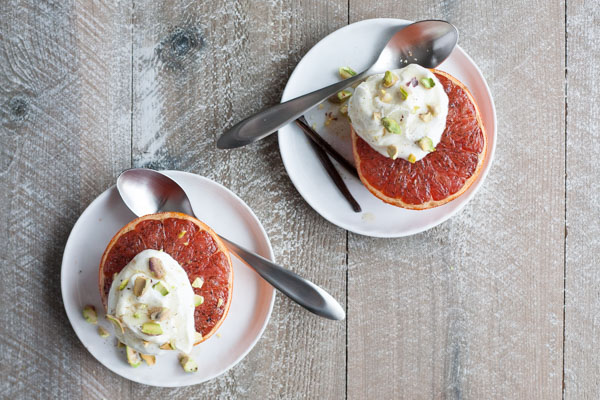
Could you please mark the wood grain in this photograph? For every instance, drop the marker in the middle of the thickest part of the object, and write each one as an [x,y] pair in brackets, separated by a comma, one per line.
[470,309]
[198,68]
[582,298]
[65,133]
[473,308]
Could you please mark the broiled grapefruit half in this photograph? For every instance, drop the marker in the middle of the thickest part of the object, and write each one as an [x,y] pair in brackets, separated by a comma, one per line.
[442,175]
[195,246]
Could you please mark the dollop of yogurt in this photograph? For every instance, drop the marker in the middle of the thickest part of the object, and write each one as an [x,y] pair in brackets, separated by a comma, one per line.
[172,295]
[416,103]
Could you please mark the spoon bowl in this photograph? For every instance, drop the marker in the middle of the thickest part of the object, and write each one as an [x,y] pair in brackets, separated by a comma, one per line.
[427,43]
[145,191]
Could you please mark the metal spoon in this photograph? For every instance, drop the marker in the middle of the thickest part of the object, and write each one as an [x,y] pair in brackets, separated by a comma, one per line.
[146,191]
[426,43]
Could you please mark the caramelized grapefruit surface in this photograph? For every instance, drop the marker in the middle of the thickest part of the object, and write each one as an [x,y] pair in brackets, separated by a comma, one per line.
[442,175]
[193,245]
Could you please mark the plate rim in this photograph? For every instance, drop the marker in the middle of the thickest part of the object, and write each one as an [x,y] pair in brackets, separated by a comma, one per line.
[467,196]
[270,256]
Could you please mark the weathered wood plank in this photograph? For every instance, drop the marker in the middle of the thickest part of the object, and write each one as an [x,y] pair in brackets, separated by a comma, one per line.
[582,308]
[198,68]
[473,308]
[64,134]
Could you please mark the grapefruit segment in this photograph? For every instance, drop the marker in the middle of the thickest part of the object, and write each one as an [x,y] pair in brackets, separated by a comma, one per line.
[195,246]
[442,175]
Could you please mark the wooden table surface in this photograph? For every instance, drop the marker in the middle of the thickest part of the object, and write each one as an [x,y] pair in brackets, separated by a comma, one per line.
[502,301]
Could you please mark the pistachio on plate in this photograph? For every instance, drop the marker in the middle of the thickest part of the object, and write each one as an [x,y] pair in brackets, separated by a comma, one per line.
[133,357]
[89,314]
[188,364]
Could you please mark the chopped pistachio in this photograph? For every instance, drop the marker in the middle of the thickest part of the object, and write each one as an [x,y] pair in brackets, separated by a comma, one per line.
[391,125]
[140,286]
[123,284]
[156,267]
[188,364]
[385,96]
[344,95]
[89,314]
[137,315]
[145,343]
[426,144]
[428,83]
[376,116]
[180,235]
[167,346]
[389,79]
[344,109]
[162,289]
[220,303]
[149,359]
[346,72]
[103,332]
[412,159]
[133,357]
[392,151]
[198,282]
[403,93]
[115,321]
[152,328]
[198,300]
[426,117]
[159,313]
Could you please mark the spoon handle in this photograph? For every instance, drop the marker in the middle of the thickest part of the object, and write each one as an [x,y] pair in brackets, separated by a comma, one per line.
[268,121]
[302,291]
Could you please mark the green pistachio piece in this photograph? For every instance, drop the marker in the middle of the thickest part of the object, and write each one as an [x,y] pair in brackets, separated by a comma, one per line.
[390,125]
[156,267]
[115,321]
[344,109]
[103,332]
[198,282]
[198,300]
[133,357]
[343,95]
[346,72]
[426,144]
[123,284]
[152,328]
[167,346]
[188,364]
[403,93]
[140,286]
[392,151]
[389,79]
[428,83]
[412,159]
[149,359]
[159,313]
[89,314]
[162,289]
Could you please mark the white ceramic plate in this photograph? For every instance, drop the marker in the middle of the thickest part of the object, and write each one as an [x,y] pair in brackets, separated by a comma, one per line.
[251,304]
[355,45]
